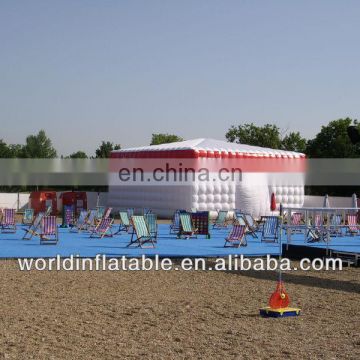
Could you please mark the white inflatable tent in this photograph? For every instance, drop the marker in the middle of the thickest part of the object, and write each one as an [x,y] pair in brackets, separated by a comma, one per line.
[263,171]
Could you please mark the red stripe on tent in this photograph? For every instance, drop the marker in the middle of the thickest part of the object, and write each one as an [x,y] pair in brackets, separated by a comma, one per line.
[193,154]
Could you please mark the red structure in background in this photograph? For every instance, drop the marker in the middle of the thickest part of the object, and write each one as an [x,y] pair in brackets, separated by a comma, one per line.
[41,200]
[77,199]
[273,202]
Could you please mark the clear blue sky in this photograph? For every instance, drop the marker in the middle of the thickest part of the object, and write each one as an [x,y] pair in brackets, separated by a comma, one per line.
[120,70]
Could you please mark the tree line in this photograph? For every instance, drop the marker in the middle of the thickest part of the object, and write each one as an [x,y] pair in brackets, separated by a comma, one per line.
[332,141]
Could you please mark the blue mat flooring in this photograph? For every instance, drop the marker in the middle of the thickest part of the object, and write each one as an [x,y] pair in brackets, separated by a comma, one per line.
[12,245]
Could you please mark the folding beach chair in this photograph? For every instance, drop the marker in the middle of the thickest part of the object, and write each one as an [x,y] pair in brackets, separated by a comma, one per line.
[296,223]
[187,229]
[80,222]
[125,223]
[49,231]
[318,232]
[103,228]
[352,227]
[270,229]
[141,233]
[236,237]
[28,217]
[151,222]
[175,225]
[251,225]
[220,221]
[90,221]
[33,229]
[100,210]
[335,225]
[7,223]
[48,210]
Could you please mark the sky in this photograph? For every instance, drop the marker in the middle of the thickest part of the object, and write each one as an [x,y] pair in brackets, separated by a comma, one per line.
[90,70]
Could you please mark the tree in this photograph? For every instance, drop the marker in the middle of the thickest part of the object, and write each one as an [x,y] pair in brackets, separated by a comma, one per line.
[78,155]
[105,149]
[266,136]
[38,146]
[158,139]
[294,142]
[4,150]
[333,141]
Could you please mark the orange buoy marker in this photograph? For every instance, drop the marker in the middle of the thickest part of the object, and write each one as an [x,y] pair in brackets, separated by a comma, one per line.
[279,300]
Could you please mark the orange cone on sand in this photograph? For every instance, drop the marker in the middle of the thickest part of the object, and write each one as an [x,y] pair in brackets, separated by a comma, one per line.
[279,299]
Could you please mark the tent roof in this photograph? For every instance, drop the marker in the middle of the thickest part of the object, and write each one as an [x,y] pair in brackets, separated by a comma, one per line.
[212,145]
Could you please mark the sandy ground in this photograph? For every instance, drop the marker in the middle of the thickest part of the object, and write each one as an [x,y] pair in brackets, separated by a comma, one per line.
[175,315]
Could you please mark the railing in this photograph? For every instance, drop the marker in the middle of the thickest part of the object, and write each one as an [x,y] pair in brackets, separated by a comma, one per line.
[308,215]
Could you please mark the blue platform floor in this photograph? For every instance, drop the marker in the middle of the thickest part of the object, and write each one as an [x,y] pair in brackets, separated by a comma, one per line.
[346,244]
[12,245]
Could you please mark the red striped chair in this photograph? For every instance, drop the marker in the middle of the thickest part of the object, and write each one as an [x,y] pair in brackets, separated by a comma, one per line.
[296,223]
[103,228]
[7,223]
[49,231]
[352,227]
[107,213]
[236,237]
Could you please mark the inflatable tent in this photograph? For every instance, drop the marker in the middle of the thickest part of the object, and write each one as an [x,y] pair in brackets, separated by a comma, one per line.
[238,177]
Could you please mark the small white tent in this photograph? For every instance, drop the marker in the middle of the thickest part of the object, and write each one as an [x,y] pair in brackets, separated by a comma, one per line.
[263,171]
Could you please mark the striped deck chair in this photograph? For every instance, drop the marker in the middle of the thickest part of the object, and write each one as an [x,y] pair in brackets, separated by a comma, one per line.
[175,225]
[251,225]
[187,229]
[49,231]
[80,222]
[141,236]
[125,223]
[296,219]
[335,225]
[100,210]
[28,217]
[151,222]
[48,210]
[236,237]
[90,221]
[240,220]
[7,223]
[33,229]
[352,227]
[318,231]
[270,229]
[220,221]
[103,228]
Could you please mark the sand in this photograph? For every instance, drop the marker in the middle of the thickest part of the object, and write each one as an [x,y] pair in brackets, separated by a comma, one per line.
[175,315]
